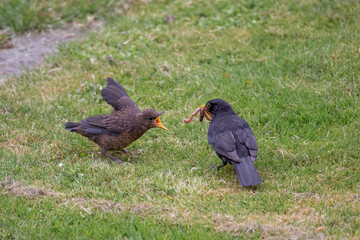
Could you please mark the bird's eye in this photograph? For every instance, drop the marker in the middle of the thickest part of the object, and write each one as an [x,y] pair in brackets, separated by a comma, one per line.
[208,105]
[150,119]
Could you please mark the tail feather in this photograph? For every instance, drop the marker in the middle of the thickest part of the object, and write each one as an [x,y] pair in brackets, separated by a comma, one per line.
[246,172]
[72,126]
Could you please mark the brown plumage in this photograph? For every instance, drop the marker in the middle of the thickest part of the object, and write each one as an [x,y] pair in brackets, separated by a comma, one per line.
[117,130]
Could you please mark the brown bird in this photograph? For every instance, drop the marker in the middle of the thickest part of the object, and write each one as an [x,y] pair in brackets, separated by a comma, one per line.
[124,125]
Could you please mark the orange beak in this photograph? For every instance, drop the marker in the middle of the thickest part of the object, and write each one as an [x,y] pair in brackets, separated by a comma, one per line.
[209,117]
[159,124]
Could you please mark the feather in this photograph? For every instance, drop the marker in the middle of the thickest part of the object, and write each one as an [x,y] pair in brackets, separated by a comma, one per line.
[71,126]
[115,95]
[234,142]
[246,172]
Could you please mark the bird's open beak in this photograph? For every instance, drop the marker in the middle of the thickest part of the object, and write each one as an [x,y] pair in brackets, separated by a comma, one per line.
[209,117]
[159,124]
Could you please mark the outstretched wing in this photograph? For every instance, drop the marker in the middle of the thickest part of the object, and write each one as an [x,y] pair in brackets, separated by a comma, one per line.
[115,95]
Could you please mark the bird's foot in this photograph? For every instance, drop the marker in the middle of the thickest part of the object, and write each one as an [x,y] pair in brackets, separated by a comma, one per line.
[131,152]
[217,167]
[112,157]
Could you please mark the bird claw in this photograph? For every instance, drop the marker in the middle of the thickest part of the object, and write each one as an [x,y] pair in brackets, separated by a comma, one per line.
[112,157]
[213,165]
[217,168]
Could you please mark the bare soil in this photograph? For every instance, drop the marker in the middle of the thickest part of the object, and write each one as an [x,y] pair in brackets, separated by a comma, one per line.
[30,49]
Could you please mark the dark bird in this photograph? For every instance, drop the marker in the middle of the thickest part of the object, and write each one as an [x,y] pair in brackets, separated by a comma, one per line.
[233,141]
[124,125]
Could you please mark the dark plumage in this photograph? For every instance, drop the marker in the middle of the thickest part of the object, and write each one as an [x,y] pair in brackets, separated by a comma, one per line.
[233,141]
[117,130]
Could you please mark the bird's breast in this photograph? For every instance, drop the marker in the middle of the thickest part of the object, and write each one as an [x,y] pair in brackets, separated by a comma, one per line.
[112,142]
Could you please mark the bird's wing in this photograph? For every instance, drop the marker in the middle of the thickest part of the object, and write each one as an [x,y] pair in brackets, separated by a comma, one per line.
[227,146]
[247,137]
[118,122]
[94,125]
[224,144]
[115,95]
[106,124]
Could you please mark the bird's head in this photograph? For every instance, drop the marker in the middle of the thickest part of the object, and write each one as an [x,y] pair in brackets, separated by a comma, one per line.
[151,118]
[217,106]
[212,109]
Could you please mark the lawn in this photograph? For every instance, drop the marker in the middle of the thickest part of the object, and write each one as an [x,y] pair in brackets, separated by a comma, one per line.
[290,69]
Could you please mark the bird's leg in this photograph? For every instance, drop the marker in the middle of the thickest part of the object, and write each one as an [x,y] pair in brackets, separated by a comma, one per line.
[218,167]
[126,151]
[112,157]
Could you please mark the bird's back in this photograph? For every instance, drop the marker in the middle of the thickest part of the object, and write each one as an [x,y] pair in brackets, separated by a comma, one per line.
[234,127]
[224,123]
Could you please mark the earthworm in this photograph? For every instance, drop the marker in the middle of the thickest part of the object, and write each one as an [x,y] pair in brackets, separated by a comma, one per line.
[202,112]
[192,115]
[208,117]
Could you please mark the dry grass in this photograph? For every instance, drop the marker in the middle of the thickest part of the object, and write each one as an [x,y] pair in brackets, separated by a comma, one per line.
[299,223]
[13,188]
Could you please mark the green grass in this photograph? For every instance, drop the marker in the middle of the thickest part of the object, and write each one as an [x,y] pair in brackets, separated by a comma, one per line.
[290,69]
[27,15]
[68,223]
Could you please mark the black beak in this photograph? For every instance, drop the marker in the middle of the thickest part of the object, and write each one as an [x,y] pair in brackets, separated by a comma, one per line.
[161,113]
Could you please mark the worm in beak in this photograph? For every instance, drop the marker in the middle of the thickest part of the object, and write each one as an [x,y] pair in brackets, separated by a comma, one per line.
[203,112]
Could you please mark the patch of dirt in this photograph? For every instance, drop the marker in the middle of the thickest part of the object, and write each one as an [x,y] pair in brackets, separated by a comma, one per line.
[228,224]
[30,49]
[14,188]
[276,230]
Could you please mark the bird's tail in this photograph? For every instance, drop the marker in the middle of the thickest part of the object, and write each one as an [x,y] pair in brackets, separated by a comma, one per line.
[72,126]
[246,172]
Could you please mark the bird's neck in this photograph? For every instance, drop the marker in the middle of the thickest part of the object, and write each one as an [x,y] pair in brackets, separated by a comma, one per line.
[139,123]
[223,113]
